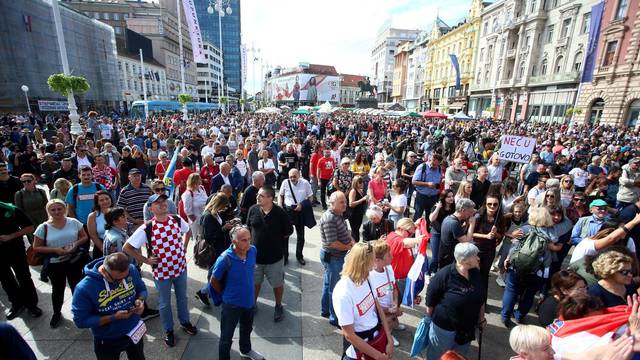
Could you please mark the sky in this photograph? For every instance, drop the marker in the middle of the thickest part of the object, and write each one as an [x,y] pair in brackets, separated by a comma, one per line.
[330,32]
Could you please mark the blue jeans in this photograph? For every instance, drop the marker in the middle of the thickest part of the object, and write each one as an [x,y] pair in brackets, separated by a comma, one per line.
[521,289]
[331,276]
[230,317]
[441,340]
[434,244]
[395,219]
[164,293]
[423,204]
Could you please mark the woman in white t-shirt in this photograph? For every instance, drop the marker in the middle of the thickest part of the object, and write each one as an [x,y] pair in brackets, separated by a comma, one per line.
[610,234]
[580,176]
[383,281]
[268,168]
[356,308]
[194,200]
[398,202]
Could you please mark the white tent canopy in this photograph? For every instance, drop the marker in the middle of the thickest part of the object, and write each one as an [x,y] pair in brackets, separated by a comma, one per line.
[461,116]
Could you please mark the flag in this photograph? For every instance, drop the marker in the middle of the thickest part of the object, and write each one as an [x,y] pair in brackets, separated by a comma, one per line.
[456,66]
[415,278]
[27,22]
[197,43]
[579,335]
[592,43]
[168,176]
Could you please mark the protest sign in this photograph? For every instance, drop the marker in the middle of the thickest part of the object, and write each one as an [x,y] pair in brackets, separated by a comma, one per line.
[516,148]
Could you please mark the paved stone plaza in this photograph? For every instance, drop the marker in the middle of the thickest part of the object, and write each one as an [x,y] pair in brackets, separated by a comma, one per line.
[303,334]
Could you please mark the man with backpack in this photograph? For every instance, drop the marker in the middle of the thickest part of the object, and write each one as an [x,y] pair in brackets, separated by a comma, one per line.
[232,277]
[166,237]
[79,199]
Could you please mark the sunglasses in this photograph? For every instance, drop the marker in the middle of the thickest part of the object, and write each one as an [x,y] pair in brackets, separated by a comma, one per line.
[625,272]
[26,181]
[578,199]
[160,190]
[550,196]
[492,204]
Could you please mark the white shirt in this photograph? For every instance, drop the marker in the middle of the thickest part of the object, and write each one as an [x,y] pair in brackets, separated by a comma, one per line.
[83,161]
[226,179]
[242,167]
[302,190]
[266,164]
[139,238]
[194,202]
[580,177]
[354,305]
[398,201]
[495,173]
[207,150]
[383,285]
[587,247]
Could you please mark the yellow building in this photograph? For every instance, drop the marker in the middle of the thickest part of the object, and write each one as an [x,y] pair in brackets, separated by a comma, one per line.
[440,74]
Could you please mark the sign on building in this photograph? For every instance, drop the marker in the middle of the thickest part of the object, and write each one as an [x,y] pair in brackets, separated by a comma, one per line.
[516,148]
[46,105]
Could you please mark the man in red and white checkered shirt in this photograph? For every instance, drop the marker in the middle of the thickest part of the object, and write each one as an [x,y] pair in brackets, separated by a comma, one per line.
[166,245]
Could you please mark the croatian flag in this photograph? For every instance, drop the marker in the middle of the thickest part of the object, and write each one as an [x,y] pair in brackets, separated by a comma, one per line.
[570,336]
[168,176]
[415,277]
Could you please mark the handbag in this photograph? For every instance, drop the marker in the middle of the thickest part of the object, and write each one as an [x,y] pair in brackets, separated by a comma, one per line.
[379,341]
[34,258]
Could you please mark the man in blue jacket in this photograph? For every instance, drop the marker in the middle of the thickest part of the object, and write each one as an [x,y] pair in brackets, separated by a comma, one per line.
[233,278]
[109,301]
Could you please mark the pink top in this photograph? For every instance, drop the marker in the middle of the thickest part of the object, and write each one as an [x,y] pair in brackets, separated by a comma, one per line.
[378,189]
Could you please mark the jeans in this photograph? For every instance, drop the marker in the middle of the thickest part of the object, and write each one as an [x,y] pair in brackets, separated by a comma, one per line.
[164,293]
[332,270]
[229,318]
[521,289]
[61,274]
[434,243]
[423,204]
[395,219]
[314,187]
[110,349]
[441,340]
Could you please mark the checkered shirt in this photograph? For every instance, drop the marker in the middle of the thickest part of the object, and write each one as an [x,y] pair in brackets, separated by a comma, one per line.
[167,244]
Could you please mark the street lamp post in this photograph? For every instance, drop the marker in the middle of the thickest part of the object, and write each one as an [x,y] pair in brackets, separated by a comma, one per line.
[25,89]
[222,7]
[73,109]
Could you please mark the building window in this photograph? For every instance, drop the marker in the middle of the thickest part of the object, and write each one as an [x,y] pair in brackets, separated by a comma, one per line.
[622,9]
[546,110]
[485,28]
[565,28]
[117,30]
[586,23]
[533,6]
[577,62]
[96,15]
[609,53]
[558,66]
[105,16]
[521,70]
[550,33]
[116,16]
[543,67]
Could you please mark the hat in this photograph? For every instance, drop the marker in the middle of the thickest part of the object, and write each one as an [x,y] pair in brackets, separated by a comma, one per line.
[635,160]
[345,160]
[411,154]
[153,198]
[134,171]
[598,202]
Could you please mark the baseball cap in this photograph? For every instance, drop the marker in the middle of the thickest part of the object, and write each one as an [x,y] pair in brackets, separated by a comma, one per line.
[134,171]
[598,202]
[153,198]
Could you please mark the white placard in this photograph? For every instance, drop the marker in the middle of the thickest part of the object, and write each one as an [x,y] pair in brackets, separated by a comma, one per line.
[516,148]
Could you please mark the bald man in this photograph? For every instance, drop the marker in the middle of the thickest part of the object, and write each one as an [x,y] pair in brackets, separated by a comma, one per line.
[293,191]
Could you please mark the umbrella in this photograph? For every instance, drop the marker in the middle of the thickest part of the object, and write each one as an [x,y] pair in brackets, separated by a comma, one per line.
[433,114]
[285,107]
[301,112]
[414,114]
[461,116]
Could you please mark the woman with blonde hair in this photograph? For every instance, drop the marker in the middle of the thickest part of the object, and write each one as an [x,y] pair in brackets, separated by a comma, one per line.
[61,238]
[615,271]
[566,190]
[60,189]
[194,200]
[464,191]
[359,314]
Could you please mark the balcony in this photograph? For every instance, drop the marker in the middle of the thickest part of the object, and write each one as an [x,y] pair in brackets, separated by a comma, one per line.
[571,76]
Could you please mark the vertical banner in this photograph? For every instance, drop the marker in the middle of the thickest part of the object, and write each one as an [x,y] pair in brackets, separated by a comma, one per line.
[456,66]
[592,44]
[168,176]
[194,30]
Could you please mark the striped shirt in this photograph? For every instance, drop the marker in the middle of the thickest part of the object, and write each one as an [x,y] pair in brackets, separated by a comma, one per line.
[133,200]
[333,227]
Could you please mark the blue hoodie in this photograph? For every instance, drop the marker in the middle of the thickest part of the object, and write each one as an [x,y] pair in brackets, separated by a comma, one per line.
[91,300]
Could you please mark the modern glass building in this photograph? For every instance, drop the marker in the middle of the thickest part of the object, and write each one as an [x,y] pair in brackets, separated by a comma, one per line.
[230,40]
[30,54]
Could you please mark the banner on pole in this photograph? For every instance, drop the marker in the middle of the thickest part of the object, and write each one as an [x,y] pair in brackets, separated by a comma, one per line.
[194,30]
[516,148]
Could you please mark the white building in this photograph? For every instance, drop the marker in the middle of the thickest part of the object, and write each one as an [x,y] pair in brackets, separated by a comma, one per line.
[382,58]
[529,58]
[412,99]
[130,77]
[209,74]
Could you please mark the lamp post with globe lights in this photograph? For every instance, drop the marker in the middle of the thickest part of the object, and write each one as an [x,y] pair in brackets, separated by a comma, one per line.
[222,7]
[25,89]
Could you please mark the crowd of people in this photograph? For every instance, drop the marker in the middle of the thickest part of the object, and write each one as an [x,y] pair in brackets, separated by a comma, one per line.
[558,232]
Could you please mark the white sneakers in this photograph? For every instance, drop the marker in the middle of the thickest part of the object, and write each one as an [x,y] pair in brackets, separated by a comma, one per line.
[253,355]
[396,343]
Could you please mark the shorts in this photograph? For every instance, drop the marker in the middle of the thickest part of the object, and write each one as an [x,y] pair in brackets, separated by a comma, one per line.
[274,273]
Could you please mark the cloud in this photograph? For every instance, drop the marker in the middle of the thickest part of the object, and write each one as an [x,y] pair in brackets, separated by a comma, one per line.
[330,32]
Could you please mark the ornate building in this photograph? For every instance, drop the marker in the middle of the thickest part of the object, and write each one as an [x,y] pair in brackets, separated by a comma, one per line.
[614,95]
[440,76]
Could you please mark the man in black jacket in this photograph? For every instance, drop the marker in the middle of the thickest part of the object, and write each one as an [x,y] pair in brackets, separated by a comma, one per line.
[270,229]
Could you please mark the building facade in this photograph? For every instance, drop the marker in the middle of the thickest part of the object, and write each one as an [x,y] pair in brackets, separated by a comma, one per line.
[349,89]
[209,74]
[30,55]
[131,72]
[613,97]
[414,91]
[231,41]
[401,60]
[530,59]
[383,58]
